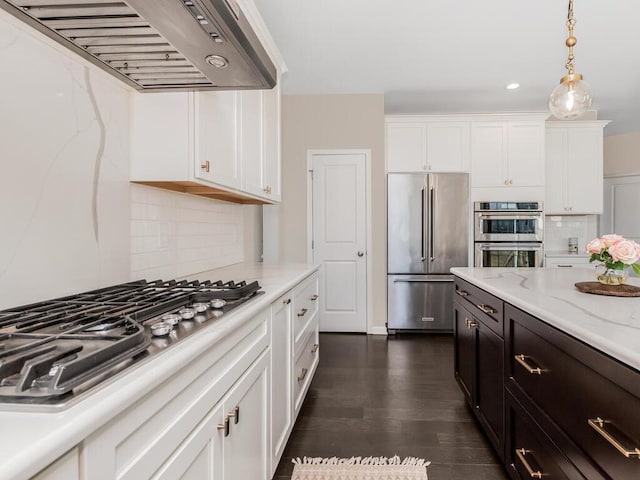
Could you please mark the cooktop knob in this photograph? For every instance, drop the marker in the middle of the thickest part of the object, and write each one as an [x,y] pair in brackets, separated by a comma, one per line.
[200,307]
[172,319]
[218,303]
[187,313]
[160,329]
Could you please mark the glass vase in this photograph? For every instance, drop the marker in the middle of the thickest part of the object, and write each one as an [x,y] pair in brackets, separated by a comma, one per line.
[609,276]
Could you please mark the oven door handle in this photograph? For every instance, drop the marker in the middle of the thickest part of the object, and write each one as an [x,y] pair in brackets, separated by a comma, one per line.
[510,246]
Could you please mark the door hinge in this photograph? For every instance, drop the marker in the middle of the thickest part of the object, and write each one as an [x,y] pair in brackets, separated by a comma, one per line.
[311,172]
[312,244]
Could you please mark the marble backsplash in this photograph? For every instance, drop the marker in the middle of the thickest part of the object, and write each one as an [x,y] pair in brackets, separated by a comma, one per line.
[70,219]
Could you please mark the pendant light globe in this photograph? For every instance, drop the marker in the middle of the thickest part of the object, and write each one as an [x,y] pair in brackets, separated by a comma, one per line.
[571,98]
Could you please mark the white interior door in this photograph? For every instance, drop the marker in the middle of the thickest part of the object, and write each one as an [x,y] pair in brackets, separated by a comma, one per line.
[339,240]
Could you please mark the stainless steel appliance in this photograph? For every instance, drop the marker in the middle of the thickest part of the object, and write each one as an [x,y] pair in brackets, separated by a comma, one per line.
[157,45]
[53,352]
[427,234]
[508,234]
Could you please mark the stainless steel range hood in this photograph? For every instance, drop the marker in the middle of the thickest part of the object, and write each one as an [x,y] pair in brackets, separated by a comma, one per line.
[157,45]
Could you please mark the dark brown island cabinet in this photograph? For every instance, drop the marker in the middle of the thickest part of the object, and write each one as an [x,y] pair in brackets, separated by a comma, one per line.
[552,406]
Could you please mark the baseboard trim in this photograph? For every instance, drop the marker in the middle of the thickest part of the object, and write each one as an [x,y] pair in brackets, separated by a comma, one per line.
[377,331]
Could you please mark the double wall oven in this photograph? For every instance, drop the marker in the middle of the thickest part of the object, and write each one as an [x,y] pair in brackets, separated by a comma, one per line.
[508,234]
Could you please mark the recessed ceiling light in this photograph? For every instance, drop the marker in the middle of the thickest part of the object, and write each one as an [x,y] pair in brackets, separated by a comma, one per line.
[513,86]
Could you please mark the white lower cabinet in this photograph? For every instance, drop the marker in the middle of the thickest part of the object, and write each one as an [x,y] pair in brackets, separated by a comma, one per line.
[65,468]
[226,415]
[281,377]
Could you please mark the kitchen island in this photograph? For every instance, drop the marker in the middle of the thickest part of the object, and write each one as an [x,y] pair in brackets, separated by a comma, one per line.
[148,420]
[551,373]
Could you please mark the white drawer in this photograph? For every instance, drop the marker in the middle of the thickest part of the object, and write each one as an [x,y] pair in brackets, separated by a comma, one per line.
[305,368]
[569,261]
[305,306]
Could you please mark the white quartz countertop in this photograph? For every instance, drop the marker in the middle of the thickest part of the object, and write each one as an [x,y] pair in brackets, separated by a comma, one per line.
[609,324]
[31,440]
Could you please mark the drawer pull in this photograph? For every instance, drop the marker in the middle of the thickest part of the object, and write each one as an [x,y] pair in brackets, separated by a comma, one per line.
[303,374]
[315,348]
[313,298]
[600,426]
[522,360]
[562,265]
[287,301]
[224,427]
[487,309]
[462,293]
[471,323]
[302,312]
[235,415]
[521,452]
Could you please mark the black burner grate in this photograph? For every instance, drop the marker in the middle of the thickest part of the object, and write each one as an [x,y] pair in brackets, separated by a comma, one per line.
[51,348]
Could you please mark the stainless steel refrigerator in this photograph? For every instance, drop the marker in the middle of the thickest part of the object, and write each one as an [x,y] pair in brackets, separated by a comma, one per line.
[427,234]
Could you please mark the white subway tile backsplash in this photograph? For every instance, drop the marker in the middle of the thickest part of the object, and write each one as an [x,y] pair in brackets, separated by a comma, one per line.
[558,229]
[175,234]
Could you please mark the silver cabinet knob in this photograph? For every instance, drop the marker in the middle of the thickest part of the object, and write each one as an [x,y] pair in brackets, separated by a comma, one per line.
[361,254]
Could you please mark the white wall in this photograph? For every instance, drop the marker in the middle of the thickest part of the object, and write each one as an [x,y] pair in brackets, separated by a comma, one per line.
[317,122]
[622,154]
[65,197]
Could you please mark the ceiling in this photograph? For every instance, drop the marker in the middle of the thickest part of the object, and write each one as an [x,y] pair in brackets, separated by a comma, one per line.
[444,56]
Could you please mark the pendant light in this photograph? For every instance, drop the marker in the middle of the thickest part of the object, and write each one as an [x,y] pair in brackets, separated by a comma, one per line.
[573,96]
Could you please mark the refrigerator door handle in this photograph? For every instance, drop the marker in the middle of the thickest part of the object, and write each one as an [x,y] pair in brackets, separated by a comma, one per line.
[432,196]
[423,198]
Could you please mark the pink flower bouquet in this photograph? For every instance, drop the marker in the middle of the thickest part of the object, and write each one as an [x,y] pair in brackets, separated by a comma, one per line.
[615,252]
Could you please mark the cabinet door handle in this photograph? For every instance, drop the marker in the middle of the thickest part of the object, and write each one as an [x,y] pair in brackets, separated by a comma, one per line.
[313,298]
[521,452]
[225,427]
[462,293]
[315,348]
[302,312]
[600,426]
[205,166]
[287,301]
[303,374]
[487,309]
[522,360]
[471,323]
[235,415]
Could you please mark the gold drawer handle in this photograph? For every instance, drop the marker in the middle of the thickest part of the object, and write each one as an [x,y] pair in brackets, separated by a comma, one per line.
[462,293]
[287,301]
[521,452]
[599,425]
[225,427]
[302,312]
[471,323]
[303,374]
[314,298]
[487,309]
[522,360]
[315,348]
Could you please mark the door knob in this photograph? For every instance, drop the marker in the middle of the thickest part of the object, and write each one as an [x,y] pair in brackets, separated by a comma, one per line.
[361,254]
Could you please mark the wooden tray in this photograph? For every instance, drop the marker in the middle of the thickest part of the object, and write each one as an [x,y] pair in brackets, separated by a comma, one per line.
[598,288]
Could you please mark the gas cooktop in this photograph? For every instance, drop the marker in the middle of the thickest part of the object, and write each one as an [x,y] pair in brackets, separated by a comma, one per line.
[53,352]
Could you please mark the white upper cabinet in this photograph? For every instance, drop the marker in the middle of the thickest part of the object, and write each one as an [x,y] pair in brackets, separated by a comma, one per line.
[216,138]
[218,144]
[271,143]
[507,153]
[574,157]
[424,144]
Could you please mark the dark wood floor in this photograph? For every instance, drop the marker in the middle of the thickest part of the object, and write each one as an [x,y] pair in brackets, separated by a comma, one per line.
[381,397]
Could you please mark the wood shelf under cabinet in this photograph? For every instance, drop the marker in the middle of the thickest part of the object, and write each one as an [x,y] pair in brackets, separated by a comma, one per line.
[193,188]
